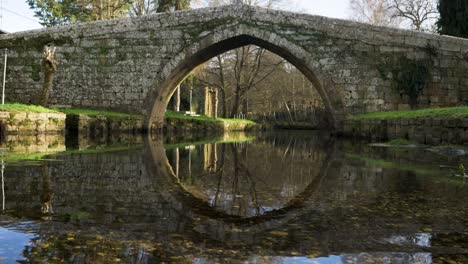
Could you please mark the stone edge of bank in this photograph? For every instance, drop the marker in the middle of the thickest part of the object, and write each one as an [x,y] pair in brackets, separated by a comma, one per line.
[429,131]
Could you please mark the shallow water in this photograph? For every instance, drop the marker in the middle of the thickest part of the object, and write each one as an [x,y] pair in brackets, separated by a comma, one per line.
[283,197]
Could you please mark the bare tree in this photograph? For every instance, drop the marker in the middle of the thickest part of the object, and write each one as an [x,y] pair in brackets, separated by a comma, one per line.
[264,3]
[143,7]
[374,12]
[418,12]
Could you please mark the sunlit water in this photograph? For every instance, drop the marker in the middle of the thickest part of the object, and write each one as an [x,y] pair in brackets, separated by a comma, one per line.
[285,197]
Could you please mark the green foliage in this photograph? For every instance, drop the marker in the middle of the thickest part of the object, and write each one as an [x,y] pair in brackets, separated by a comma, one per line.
[26,122]
[449,112]
[453,19]
[35,72]
[412,78]
[56,13]
[461,171]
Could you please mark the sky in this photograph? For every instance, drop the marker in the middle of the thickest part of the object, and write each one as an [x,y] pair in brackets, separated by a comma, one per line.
[16,15]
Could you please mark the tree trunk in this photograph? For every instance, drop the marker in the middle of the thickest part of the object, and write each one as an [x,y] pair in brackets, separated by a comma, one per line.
[223,87]
[177,99]
[49,64]
[236,103]
[223,99]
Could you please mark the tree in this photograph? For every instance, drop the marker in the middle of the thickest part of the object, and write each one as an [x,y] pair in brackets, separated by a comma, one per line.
[173,5]
[143,7]
[418,12]
[49,64]
[56,13]
[374,12]
[107,9]
[453,19]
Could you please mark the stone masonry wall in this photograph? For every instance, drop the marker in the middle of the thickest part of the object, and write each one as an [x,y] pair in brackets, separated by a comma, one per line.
[31,123]
[125,64]
[430,131]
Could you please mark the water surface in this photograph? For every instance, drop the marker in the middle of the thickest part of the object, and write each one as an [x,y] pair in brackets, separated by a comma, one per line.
[283,197]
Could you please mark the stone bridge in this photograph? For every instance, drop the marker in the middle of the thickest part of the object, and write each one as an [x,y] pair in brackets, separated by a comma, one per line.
[134,64]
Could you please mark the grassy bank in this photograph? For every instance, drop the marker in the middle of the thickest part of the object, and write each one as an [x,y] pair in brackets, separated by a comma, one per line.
[94,113]
[448,112]
[17,108]
[170,114]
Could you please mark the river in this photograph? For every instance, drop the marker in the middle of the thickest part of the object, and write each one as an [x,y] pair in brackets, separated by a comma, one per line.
[276,197]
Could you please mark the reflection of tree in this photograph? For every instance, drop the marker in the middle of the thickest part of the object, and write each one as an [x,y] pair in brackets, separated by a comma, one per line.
[47,194]
[241,177]
[221,172]
[252,179]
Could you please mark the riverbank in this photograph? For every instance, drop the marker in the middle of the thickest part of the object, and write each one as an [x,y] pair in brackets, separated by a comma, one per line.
[30,119]
[435,126]
[181,124]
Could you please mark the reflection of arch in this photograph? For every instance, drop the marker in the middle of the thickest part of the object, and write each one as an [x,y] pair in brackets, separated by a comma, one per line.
[227,39]
[160,167]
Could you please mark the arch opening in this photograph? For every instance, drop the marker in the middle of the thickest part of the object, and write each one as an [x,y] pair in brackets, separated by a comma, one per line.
[184,63]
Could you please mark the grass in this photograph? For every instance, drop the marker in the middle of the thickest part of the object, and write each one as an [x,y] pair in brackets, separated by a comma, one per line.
[16,108]
[170,114]
[449,112]
[93,113]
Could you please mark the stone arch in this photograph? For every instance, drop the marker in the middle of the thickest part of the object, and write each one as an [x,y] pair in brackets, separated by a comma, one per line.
[223,40]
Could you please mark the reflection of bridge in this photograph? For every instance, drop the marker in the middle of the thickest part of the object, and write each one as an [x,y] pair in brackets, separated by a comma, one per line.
[141,196]
[161,168]
[124,64]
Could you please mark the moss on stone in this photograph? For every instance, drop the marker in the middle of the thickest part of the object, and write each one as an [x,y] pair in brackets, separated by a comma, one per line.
[36,72]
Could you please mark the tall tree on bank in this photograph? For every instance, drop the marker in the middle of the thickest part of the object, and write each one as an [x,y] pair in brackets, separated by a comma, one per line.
[143,7]
[173,5]
[374,12]
[56,13]
[453,19]
[419,13]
